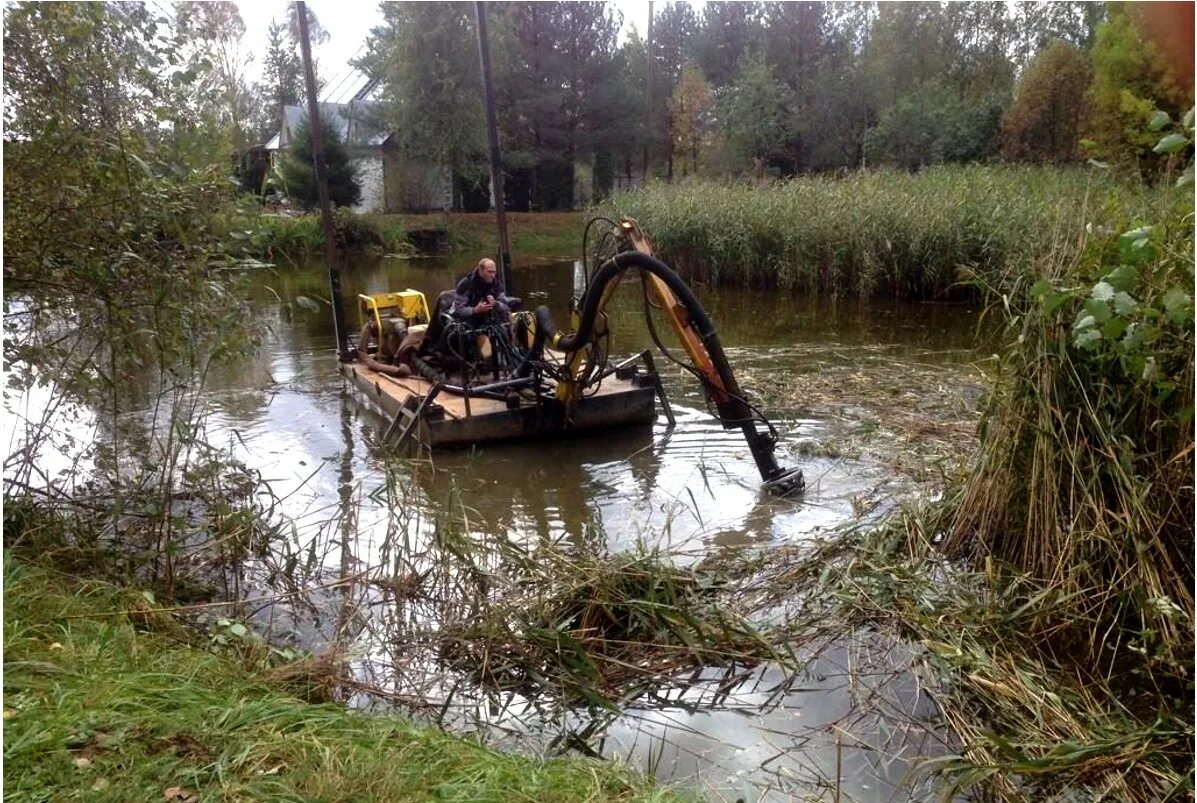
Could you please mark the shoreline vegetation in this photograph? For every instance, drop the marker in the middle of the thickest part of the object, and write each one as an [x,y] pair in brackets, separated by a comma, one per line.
[1044,594]
[1047,590]
[109,699]
[943,233]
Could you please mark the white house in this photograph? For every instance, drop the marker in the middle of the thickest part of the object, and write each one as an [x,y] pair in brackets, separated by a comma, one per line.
[373,151]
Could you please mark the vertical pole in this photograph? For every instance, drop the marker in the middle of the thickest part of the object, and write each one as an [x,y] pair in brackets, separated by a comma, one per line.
[330,239]
[496,166]
[648,96]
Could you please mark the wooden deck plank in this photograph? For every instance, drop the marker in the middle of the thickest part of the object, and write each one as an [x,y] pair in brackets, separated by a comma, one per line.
[618,403]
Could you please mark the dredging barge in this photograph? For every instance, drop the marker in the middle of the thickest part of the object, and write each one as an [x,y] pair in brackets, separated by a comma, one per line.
[536,382]
[541,382]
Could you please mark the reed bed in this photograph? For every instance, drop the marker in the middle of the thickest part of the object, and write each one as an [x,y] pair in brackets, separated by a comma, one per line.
[877,232]
[1052,588]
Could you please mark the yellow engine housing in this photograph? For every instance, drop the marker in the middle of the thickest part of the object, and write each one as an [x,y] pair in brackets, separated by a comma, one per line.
[410,305]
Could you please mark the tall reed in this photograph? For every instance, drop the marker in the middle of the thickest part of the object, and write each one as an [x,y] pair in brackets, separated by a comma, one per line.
[875,232]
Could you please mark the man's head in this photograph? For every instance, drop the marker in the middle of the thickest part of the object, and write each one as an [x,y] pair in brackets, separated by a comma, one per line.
[486,270]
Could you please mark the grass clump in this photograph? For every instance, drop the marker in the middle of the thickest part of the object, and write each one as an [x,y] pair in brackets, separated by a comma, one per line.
[94,708]
[875,232]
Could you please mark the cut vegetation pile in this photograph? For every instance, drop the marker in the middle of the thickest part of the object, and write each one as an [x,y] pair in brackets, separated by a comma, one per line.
[879,231]
[602,627]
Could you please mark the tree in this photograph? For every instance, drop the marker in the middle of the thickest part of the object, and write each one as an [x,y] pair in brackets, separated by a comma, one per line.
[1038,25]
[111,200]
[688,106]
[1043,124]
[560,93]
[754,114]
[938,77]
[213,32]
[812,48]
[1131,79]
[675,38]
[729,30]
[282,75]
[932,126]
[298,171]
[431,93]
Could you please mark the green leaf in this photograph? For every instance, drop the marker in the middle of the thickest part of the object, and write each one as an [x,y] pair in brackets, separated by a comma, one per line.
[1188,120]
[1102,291]
[1136,246]
[238,629]
[1113,328]
[1135,364]
[1053,302]
[1098,310]
[1158,121]
[1173,143]
[1085,322]
[1178,305]
[1186,178]
[1087,339]
[1040,288]
[1124,303]
[1123,277]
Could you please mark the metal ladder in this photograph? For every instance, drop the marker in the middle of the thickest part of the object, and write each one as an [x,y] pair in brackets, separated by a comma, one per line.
[411,417]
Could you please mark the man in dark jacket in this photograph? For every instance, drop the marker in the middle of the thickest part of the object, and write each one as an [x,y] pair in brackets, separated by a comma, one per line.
[480,296]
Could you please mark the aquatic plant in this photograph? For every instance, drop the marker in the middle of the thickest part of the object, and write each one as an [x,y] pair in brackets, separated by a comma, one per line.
[877,232]
[1052,588]
[598,627]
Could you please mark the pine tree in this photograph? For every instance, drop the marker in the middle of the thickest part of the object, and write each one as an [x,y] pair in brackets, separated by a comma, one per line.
[299,173]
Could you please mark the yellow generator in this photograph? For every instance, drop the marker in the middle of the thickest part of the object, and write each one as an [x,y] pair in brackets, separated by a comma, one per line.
[410,305]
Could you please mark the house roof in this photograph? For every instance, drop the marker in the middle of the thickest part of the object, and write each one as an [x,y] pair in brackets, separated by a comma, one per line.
[352,121]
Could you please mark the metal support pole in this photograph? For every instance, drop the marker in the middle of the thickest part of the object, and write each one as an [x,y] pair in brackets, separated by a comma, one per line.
[496,165]
[648,97]
[330,238]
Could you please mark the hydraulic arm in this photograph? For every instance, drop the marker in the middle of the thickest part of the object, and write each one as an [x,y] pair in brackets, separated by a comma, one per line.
[696,332]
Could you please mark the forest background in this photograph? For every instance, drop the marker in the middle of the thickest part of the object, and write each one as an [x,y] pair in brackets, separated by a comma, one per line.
[769,89]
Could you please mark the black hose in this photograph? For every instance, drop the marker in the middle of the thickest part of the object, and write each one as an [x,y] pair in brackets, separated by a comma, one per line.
[634,259]
[735,411]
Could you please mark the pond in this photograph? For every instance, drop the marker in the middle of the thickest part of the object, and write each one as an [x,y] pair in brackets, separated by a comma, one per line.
[686,492]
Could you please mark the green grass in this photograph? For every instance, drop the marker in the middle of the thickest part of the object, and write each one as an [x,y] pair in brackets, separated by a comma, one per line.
[878,232]
[97,708]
